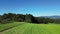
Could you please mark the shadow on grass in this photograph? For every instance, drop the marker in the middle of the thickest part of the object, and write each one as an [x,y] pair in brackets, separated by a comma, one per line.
[9,28]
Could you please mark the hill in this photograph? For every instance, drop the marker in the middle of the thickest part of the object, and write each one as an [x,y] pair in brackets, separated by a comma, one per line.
[55,17]
[29,28]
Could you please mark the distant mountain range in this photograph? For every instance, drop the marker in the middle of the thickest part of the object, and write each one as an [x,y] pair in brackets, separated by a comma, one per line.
[55,17]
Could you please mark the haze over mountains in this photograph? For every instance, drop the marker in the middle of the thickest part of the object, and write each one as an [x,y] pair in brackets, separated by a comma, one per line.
[54,16]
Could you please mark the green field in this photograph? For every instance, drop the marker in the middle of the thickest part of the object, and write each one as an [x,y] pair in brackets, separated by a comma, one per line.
[29,28]
[9,25]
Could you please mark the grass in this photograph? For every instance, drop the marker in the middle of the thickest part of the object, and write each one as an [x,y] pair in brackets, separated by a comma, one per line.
[29,28]
[8,25]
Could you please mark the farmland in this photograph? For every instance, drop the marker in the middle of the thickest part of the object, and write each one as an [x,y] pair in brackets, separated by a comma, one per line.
[29,28]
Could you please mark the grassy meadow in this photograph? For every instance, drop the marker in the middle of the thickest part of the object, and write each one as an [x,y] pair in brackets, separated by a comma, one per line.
[29,28]
[9,25]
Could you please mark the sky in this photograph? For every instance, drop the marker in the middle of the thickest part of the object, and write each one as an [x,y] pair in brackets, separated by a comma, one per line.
[34,7]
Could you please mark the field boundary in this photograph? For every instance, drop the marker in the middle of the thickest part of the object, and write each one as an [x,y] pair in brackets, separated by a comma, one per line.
[10,28]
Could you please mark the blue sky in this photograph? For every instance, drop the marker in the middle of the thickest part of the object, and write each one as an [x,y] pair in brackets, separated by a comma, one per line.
[34,7]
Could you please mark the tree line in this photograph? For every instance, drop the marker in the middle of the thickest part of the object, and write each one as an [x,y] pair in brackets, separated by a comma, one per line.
[11,17]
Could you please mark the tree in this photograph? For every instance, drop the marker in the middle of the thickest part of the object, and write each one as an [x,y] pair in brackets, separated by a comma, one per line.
[20,17]
[30,18]
[11,17]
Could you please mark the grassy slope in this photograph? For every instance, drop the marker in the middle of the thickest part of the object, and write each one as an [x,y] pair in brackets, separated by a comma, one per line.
[34,29]
[8,26]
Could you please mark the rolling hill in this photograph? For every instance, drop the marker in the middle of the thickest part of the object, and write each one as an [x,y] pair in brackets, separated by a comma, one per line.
[29,28]
[55,17]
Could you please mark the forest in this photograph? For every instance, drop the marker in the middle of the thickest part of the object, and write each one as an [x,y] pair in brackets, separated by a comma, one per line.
[12,17]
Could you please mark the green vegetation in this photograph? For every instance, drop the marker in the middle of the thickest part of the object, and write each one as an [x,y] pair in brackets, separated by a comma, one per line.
[9,25]
[11,17]
[28,24]
[29,28]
